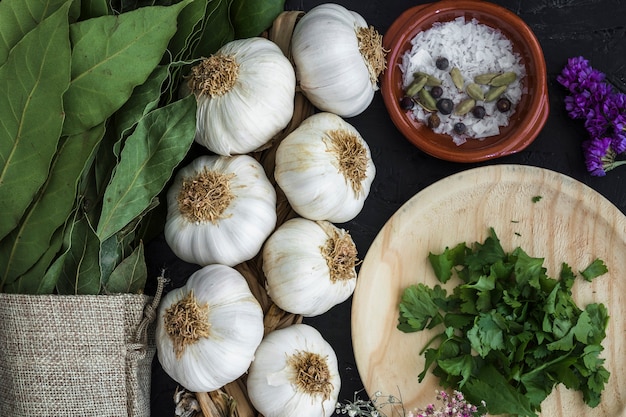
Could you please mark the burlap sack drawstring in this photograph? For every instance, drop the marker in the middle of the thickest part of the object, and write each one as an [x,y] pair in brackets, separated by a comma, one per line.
[138,349]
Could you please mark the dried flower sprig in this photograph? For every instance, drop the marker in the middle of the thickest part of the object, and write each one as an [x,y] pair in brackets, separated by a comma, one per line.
[603,110]
[452,405]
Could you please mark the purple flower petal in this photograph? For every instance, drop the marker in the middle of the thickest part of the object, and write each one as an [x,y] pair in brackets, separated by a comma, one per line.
[596,152]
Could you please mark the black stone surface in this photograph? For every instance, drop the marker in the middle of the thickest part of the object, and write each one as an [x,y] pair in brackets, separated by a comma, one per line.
[565,28]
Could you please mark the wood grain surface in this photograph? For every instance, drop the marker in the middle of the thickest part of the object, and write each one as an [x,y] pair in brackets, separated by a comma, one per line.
[571,223]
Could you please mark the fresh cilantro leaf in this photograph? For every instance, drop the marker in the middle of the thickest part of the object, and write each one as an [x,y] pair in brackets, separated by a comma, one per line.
[528,270]
[486,334]
[567,277]
[419,308]
[501,398]
[486,254]
[443,263]
[595,269]
[458,366]
[599,316]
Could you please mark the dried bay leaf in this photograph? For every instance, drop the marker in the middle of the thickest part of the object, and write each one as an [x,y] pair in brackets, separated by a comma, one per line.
[51,208]
[190,25]
[112,55]
[80,269]
[217,28]
[130,275]
[144,99]
[37,280]
[252,17]
[93,8]
[158,144]
[18,17]
[32,82]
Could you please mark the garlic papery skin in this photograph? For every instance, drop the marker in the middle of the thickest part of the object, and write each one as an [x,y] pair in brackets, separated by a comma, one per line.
[338,59]
[220,209]
[245,95]
[325,169]
[294,373]
[310,266]
[209,329]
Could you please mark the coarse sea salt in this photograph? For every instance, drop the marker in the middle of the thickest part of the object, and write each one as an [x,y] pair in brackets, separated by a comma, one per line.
[475,49]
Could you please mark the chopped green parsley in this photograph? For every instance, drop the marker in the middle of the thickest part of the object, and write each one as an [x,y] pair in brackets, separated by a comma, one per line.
[510,332]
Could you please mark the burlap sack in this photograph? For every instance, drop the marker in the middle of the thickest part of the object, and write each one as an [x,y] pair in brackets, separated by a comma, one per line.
[76,355]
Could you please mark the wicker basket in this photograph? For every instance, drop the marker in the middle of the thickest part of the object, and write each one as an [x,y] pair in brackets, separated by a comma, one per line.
[232,399]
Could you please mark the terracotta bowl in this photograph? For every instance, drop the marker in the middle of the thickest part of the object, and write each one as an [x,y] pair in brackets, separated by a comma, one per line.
[531,112]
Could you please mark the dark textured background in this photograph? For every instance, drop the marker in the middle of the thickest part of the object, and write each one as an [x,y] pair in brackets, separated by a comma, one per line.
[565,28]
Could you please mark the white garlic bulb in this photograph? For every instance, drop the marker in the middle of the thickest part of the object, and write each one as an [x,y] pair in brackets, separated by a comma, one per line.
[338,59]
[325,169]
[220,209]
[208,330]
[309,266]
[294,373]
[245,94]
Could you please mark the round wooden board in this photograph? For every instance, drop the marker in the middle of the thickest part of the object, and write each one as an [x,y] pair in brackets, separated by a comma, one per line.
[571,223]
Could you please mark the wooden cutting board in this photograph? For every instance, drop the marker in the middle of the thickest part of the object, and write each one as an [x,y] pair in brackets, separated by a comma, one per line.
[571,223]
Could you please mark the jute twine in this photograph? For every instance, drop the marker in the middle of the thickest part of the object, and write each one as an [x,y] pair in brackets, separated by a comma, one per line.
[232,400]
[76,355]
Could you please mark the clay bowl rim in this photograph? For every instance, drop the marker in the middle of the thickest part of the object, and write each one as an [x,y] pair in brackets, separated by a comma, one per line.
[531,113]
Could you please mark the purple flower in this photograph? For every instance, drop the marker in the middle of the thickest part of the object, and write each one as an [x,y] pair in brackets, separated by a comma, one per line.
[600,156]
[604,112]
[618,142]
[578,75]
[595,122]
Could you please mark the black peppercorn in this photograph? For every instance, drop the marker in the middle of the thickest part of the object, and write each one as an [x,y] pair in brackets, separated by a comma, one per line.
[459,128]
[445,106]
[478,112]
[503,104]
[436,91]
[406,103]
[441,63]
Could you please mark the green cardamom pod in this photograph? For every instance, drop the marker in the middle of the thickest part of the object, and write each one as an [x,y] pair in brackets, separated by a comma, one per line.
[426,100]
[475,91]
[495,92]
[464,106]
[457,78]
[431,80]
[486,78]
[505,78]
[416,85]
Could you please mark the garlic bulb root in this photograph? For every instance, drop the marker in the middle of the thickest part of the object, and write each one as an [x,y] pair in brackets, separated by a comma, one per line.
[294,373]
[325,169]
[214,76]
[220,209]
[310,266]
[186,322]
[339,252]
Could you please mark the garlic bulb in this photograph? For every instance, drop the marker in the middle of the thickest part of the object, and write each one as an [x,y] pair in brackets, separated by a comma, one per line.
[220,209]
[294,373]
[245,94]
[325,169]
[338,59]
[309,266]
[208,330]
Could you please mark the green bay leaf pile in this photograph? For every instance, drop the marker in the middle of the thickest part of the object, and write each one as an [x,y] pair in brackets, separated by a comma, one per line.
[92,129]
